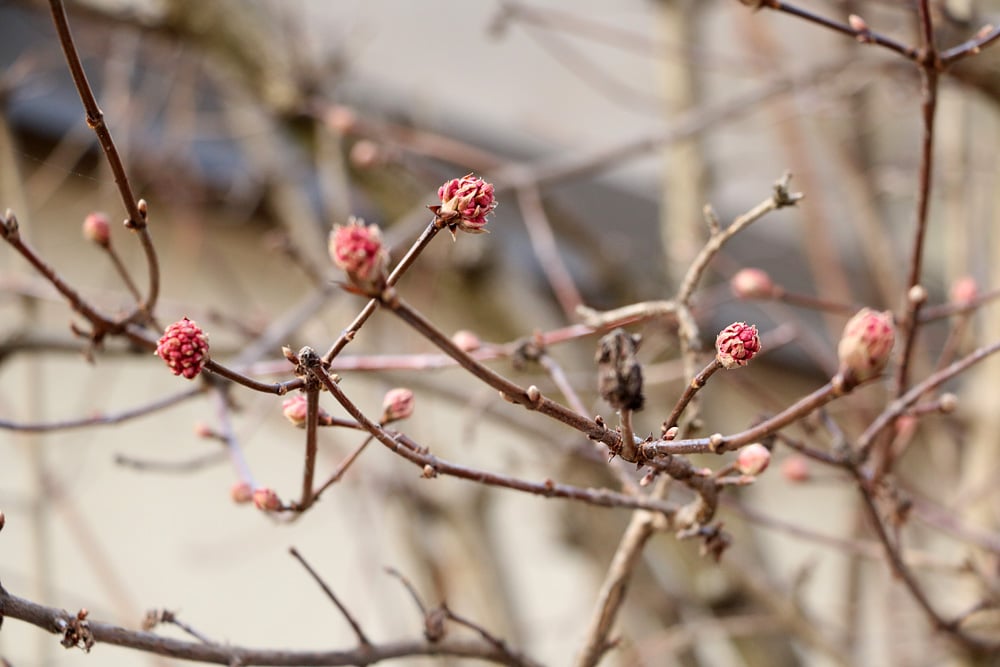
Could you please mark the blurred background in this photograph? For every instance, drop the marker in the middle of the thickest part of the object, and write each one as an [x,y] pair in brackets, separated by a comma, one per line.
[252,126]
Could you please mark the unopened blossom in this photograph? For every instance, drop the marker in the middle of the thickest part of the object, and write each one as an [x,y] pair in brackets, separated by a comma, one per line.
[97,228]
[466,340]
[753,459]
[964,291]
[296,410]
[397,404]
[357,249]
[184,346]
[737,344]
[865,345]
[241,492]
[751,284]
[266,499]
[796,469]
[465,203]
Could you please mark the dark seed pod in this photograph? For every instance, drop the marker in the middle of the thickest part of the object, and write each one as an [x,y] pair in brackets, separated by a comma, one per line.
[619,374]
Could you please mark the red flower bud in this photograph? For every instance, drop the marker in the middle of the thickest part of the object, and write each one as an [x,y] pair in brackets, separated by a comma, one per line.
[465,203]
[865,345]
[184,346]
[737,344]
[357,249]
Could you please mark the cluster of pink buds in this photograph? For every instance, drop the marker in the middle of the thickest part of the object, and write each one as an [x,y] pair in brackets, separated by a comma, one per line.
[357,249]
[465,204]
[184,346]
[737,344]
[865,345]
[97,228]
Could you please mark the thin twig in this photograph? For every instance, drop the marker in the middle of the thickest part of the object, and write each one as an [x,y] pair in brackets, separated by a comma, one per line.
[362,639]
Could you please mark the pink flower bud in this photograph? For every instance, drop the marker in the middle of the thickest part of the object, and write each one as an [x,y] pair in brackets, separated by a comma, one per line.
[97,228]
[357,249]
[266,500]
[241,493]
[466,341]
[753,459]
[397,404]
[796,469]
[751,284]
[964,291]
[296,410]
[857,23]
[737,344]
[184,346]
[865,345]
[465,203]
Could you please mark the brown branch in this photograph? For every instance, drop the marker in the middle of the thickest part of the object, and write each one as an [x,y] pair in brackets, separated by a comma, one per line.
[103,419]
[358,632]
[95,120]
[58,621]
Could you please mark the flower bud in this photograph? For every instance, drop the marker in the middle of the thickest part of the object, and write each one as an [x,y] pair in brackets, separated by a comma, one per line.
[266,500]
[357,249]
[184,346]
[751,284]
[466,341]
[241,493]
[796,469]
[465,203]
[296,410]
[397,404]
[865,345]
[97,228]
[964,291]
[753,459]
[737,344]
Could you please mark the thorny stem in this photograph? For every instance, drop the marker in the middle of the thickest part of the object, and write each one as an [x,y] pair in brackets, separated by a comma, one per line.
[95,120]
[405,263]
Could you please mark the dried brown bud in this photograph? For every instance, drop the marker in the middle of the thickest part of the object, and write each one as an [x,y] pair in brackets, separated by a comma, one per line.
[3,520]
[619,374]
